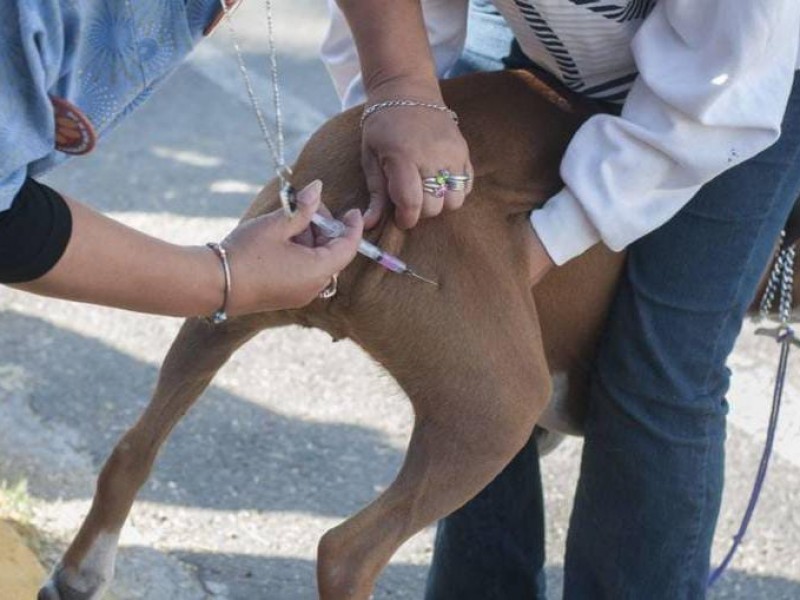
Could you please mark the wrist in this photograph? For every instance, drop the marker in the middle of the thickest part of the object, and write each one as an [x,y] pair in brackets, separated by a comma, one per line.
[405,87]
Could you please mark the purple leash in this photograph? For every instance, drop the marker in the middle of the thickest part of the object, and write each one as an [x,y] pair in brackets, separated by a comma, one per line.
[786,343]
[782,275]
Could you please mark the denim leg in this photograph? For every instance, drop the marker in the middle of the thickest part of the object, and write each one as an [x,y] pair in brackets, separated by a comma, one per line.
[653,459]
[493,547]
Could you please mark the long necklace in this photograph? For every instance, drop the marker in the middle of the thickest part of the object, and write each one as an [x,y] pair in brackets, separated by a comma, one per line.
[275,144]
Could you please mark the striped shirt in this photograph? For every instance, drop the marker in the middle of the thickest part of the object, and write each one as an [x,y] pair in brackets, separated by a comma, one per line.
[585,43]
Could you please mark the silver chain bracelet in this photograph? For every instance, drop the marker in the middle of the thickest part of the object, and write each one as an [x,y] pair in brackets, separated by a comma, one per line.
[221,315]
[373,108]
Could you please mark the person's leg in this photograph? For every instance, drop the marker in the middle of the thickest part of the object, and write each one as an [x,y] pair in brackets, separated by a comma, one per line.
[653,460]
[493,547]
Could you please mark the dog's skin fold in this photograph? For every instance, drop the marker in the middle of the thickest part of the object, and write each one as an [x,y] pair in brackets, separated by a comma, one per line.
[474,355]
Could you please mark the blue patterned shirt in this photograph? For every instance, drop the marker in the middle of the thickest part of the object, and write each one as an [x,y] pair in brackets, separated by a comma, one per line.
[104,57]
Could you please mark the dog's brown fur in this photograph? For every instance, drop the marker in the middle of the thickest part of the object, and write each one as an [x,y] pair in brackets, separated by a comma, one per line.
[474,355]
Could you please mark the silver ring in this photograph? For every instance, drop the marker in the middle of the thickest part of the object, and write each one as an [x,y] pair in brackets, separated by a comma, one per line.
[457,185]
[445,181]
[435,190]
[330,290]
[440,178]
[437,185]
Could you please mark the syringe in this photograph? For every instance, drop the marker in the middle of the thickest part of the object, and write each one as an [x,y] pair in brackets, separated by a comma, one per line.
[333,228]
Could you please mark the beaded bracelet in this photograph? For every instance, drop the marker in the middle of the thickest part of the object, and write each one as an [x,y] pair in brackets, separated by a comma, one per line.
[221,315]
[373,108]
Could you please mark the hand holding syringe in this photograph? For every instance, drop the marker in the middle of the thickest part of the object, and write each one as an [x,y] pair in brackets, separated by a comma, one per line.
[333,229]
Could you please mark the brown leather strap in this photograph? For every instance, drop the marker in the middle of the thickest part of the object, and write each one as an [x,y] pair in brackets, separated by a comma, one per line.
[74,132]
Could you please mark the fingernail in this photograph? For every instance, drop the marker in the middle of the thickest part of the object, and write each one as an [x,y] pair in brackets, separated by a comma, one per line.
[310,192]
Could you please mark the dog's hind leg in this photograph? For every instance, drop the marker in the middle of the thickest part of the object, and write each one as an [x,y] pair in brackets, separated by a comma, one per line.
[196,355]
[472,364]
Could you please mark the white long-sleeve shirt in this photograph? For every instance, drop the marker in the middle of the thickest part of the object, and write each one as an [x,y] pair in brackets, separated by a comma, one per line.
[707,83]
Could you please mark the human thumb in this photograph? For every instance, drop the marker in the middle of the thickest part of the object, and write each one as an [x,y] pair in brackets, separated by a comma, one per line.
[308,201]
[342,249]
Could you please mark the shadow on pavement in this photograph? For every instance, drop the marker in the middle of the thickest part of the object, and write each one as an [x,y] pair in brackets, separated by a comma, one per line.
[738,585]
[228,453]
[278,578]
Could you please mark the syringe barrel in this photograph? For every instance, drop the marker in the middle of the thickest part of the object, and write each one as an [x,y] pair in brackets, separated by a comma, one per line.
[370,250]
[330,227]
[333,228]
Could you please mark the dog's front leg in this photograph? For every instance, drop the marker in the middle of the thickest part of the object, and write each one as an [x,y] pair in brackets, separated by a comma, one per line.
[200,349]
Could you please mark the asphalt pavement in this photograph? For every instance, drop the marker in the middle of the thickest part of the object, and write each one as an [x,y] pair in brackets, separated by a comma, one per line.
[296,433]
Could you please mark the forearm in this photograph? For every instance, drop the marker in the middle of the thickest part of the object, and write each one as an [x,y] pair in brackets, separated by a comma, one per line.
[110,264]
[392,46]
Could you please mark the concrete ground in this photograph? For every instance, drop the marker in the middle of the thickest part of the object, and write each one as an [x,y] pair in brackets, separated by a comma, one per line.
[296,433]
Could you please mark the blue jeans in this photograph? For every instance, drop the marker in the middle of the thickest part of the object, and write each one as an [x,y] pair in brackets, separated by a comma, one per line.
[652,468]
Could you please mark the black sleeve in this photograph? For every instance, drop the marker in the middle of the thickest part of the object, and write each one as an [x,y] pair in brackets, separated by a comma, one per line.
[34,233]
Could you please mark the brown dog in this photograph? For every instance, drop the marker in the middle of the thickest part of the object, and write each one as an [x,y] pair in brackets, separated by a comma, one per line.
[476,356]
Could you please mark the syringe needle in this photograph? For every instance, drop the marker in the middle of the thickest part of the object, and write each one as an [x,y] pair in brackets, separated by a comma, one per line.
[420,277]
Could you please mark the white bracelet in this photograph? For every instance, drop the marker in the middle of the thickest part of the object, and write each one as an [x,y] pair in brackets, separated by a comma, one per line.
[373,108]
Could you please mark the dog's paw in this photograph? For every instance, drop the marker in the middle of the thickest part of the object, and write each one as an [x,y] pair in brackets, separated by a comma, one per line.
[48,591]
[80,586]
